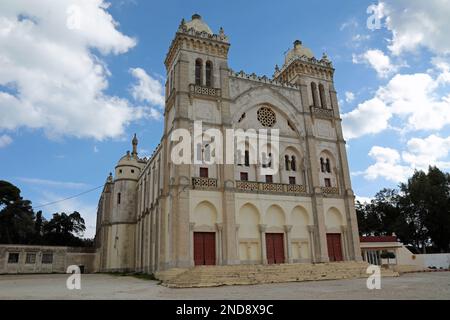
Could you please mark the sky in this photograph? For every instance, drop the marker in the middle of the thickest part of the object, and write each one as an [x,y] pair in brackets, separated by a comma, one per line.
[79,77]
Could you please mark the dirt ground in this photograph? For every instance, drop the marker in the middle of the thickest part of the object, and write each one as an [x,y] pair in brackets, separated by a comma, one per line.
[434,285]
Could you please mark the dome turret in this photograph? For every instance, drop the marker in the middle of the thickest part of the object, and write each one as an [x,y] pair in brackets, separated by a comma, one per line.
[198,24]
[298,51]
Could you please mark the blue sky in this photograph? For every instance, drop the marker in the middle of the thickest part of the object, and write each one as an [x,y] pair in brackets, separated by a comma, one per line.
[78,78]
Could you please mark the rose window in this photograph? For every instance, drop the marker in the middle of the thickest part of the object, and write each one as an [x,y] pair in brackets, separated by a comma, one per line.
[266,117]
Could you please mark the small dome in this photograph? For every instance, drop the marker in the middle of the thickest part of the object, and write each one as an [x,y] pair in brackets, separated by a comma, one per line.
[127,160]
[198,24]
[298,51]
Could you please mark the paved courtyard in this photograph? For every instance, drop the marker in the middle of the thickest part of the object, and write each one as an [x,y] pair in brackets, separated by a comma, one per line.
[435,285]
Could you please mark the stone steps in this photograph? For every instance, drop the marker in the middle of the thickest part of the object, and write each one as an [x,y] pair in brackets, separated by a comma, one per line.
[209,276]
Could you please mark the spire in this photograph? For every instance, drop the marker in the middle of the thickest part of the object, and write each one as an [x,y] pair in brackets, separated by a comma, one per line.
[134,142]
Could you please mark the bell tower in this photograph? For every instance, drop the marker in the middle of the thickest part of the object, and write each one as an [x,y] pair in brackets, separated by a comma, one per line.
[196,90]
[315,78]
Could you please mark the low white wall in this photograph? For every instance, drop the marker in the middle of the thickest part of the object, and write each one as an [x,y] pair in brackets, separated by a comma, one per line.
[406,257]
[437,260]
[62,257]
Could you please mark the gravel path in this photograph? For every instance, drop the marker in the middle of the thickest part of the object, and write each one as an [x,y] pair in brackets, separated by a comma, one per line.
[432,285]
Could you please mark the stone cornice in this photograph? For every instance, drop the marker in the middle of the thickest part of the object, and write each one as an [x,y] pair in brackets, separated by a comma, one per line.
[305,66]
[262,79]
[212,44]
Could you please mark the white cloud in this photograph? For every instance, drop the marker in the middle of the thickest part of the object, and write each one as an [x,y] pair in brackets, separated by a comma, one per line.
[5,140]
[349,96]
[350,23]
[418,154]
[380,62]
[428,151]
[96,149]
[422,24]
[53,183]
[369,117]
[360,37]
[386,165]
[58,83]
[413,98]
[443,67]
[147,88]
[363,199]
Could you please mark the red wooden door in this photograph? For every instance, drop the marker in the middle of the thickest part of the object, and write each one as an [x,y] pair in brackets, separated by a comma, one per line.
[209,248]
[275,248]
[204,248]
[270,249]
[334,246]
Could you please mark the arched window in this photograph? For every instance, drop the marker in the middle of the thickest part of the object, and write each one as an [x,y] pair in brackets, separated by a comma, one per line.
[293,164]
[266,160]
[323,101]
[314,94]
[322,165]
[286,162]
[198,72]
[209,73]
[327,166]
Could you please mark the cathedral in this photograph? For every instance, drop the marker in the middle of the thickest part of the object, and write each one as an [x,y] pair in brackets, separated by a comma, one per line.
[155,214]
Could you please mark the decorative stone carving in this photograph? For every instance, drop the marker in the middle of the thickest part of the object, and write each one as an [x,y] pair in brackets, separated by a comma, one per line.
[253,186]
[295,188]
[266,117]
[263,79]
[204,183]
[322,113]
[330,190]
[204,91]
[247,185]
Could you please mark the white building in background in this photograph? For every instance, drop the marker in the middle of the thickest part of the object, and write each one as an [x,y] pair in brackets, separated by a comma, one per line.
[154,215]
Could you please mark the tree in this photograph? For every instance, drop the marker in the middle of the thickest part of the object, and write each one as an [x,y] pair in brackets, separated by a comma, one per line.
[419,213]
[437,220]
[16,215]
[19,224]
[386,206]
[368,218]
[63,229]
[413,205]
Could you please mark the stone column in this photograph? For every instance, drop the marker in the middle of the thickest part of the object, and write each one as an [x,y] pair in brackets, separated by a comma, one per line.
[316,101]
[219,244]
[287,229]
[262,230]
[321,235]
[191,243]
[311,243]
[345,243]
[230,238]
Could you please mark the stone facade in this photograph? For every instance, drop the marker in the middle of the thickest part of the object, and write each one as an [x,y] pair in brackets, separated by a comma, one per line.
[151,210]
[45,259]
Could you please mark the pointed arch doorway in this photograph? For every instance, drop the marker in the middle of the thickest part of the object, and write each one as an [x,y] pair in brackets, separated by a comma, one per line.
[204,248]
[275,248]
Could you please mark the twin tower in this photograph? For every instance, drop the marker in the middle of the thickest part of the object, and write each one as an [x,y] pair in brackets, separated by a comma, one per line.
[155,215]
